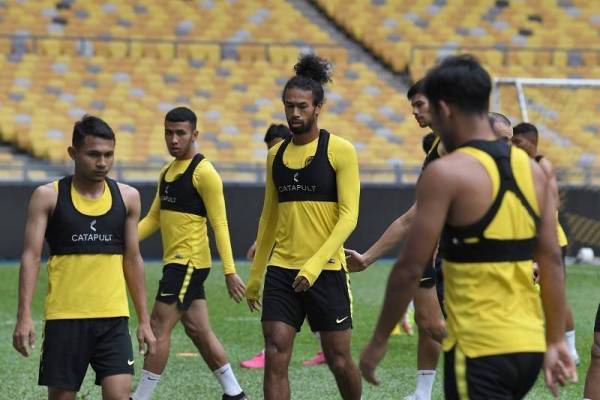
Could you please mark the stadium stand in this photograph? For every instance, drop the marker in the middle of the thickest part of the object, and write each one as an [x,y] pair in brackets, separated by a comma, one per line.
[47,82]
[41,96]
[228,60]
[537,39]
[210,20]
[534,38]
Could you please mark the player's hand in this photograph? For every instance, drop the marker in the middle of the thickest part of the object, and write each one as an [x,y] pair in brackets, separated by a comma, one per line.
[558,366]
[300,284]
[146,339]
[254,304]
[370,357]
[355,261]
[24,336]
[251,252]
[235,287]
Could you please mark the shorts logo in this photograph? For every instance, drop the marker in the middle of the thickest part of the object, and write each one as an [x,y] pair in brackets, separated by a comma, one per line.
[130,362]
[340,320]
[166,294]
[296,177]
[93,225]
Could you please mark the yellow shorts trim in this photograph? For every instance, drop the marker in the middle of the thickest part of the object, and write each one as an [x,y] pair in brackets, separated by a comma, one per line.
[460,371]
[350,294]
[186,282]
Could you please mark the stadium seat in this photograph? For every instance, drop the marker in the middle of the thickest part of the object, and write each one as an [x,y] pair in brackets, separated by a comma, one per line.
[377,25]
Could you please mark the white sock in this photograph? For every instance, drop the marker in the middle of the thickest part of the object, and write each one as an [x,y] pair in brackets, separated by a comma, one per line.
[147,384]
[318,336]
[226,378]
[425,379]
[570,338]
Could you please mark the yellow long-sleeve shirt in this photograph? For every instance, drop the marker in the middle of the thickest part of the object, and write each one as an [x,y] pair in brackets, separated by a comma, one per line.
[307,235]
[184,236]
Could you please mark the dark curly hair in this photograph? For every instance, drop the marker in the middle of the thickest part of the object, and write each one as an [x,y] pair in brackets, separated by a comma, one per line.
[312,72]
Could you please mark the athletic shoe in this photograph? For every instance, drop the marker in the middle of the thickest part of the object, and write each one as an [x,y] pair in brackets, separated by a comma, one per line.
[241,396]
[318,359]
[258,361]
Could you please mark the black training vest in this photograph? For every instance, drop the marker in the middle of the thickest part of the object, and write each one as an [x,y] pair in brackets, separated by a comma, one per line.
[433,153]
[453,245]
[71,232]
[315,182]
[181,195]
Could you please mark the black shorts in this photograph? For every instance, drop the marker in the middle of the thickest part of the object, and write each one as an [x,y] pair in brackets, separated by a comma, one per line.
[70,345]
[597,324]
[327,304]
[439,283]
[563,252]
[428,278]
[182,284]
[498,377]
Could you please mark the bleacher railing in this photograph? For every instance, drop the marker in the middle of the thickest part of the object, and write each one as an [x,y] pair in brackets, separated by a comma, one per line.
[254,174]
[547,54]
[24,42]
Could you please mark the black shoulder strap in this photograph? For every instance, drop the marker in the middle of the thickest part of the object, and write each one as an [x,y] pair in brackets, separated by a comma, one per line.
[323,143]
[279,155]
[64,184]
[501,153]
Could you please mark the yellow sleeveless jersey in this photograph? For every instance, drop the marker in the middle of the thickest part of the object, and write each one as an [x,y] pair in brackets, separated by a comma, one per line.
[491,302]
[86,285]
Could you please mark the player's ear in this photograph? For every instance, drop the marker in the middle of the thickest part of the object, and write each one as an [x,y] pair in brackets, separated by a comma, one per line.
[72,152]
[194,135]
[318,108]
[444,109]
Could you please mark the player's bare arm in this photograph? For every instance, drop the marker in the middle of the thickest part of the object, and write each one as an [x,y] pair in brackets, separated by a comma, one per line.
[133,269]
[392,237]
[432,205]
[43,201]
[548,169]
[558,364]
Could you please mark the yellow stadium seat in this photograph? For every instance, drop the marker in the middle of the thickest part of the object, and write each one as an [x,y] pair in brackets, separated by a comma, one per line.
[336,55]
[49,47]
[283,54]
[251,53]
[159,50]
[206,52]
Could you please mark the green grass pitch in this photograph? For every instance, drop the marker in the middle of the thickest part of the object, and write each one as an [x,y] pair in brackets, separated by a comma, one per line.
[189,378]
